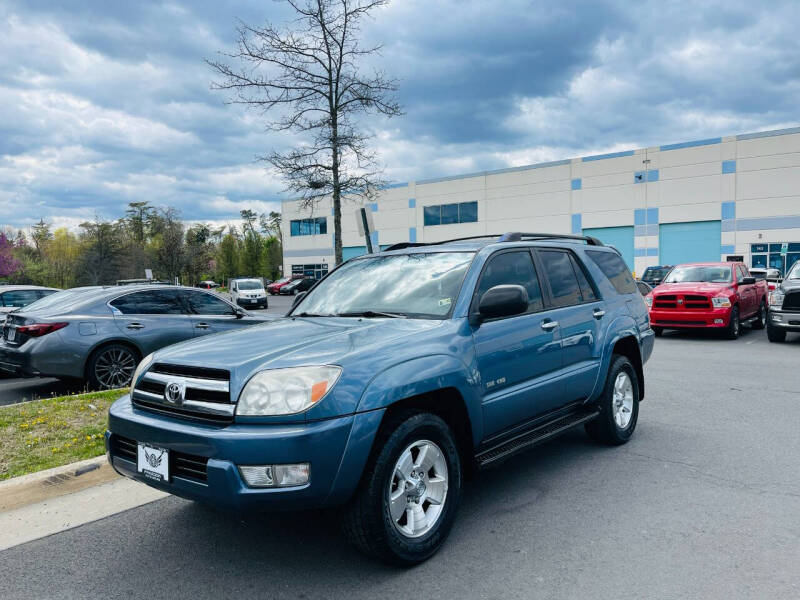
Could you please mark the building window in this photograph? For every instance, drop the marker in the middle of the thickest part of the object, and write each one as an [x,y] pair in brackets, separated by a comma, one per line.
[316,226]
[448,214]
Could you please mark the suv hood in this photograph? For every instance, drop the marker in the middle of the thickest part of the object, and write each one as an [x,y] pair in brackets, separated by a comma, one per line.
[293,341]
[691,287]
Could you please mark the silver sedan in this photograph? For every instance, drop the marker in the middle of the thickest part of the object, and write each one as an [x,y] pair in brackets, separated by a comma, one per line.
[99,334]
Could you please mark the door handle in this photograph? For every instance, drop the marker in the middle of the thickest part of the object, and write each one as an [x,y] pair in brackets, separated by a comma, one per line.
[135,326]
[598,314]
[549,325]
[202,325]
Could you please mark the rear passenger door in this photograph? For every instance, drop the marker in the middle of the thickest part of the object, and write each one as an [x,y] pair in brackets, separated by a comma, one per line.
[576,308]
[152,318]
[518,357]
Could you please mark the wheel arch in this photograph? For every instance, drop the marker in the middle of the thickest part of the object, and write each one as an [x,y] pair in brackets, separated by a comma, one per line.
[628,346]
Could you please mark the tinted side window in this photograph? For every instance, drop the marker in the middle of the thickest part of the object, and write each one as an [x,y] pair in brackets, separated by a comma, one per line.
[612,265]
[558,270]
[587,291]
[149,302]
[19,297]
[201,303]
[515,268]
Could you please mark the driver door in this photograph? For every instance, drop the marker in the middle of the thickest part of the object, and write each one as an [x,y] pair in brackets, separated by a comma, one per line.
[210,314]
[518,357]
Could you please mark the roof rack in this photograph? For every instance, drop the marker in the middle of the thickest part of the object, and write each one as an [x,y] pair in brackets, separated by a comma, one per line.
[511,236]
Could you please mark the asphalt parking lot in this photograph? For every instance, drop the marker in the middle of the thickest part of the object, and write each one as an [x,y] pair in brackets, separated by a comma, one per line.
[21,389]
[702,503]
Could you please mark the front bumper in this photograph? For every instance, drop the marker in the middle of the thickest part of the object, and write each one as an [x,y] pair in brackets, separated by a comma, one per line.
[690,319]
[787,320]
[320,443]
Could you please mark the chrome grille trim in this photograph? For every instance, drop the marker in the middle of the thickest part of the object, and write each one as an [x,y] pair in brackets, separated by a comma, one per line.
[212,385]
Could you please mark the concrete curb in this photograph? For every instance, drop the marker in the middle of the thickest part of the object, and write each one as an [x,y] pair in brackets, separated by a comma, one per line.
[51,483]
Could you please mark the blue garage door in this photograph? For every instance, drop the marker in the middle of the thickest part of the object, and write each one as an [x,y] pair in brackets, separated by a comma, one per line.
[619,237]
[689,242]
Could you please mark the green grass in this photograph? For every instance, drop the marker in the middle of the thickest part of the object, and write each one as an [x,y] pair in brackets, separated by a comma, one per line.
[48,433]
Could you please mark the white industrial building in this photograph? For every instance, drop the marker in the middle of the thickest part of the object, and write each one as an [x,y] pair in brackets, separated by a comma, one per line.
[703,200]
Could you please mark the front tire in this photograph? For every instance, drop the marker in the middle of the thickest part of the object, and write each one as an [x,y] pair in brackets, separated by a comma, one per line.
[659,331]
[619,405]
[409,494]
[775,335]
[734,325]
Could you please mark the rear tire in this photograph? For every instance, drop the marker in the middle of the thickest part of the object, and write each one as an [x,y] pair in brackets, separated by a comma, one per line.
[111,366]
[384,520]
[734,325]
[775,335]
[659,331]
[761,318]
[619,405]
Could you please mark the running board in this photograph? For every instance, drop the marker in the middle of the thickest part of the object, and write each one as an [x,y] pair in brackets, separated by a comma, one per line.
[532,437]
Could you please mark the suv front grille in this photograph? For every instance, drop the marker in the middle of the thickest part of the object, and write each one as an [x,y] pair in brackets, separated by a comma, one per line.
[186,466]
[792,300]
[204,394]
[681,302]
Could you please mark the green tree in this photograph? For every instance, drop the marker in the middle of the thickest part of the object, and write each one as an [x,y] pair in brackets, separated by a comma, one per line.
[41,235]
[63,254]
[99,262]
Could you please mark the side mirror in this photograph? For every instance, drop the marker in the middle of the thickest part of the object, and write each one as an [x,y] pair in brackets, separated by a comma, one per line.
[503,301]
[239,313]
[299,296]
[748,280]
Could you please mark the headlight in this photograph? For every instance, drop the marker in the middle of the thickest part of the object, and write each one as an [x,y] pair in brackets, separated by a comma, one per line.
[649,301]
[143,364]
[721,302]
[776,298]
[286,391]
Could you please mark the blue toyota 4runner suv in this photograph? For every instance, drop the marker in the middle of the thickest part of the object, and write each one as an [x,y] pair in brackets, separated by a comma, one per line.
[392,379]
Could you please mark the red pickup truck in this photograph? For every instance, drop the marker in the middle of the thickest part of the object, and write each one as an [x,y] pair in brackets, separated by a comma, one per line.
[718,295]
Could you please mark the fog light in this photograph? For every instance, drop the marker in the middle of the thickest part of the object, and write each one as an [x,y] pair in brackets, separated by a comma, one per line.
[777,317]
[265,476]
[718,321]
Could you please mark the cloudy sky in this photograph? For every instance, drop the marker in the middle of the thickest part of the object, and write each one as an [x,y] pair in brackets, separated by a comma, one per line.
[103,103]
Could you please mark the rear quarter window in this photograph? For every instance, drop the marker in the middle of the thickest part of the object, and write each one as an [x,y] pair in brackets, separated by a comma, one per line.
[613,267]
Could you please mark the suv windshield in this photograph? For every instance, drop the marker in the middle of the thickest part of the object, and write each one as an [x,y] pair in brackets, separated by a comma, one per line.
[408,285]
[655,272]
[249,285]
[709,274]
[794,273]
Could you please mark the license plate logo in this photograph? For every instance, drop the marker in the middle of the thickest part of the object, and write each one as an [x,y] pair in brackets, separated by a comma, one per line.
[153,463]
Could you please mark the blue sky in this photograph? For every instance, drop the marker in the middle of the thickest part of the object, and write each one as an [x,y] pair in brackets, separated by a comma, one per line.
[104,103]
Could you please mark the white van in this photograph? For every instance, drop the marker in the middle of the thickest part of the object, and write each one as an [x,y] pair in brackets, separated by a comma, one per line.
[248,293]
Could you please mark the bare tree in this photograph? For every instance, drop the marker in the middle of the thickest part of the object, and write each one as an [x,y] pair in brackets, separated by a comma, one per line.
[305,78]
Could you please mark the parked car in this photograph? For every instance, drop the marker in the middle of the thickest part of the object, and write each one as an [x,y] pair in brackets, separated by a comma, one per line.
[207,285]
[771,276]
[100,334]
[296,286]
[708,295]
[275,287]
[389,381]
[13,297]
[784,306]
[644,288]
[248,292]
[653,276]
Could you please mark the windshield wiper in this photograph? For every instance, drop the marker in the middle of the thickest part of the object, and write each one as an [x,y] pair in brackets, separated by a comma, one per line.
[307,314]
[371,314]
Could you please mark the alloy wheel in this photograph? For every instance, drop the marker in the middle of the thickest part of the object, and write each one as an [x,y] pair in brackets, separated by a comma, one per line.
[418,489]
[622,400]
[114,368]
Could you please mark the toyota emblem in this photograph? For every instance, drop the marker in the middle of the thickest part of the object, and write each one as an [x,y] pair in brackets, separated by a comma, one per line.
[173,393]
